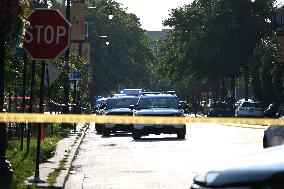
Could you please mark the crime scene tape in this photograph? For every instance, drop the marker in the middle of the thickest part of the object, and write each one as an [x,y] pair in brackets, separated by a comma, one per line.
[83,118]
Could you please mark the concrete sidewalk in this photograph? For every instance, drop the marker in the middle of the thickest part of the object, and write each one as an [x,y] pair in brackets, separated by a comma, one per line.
[65,153]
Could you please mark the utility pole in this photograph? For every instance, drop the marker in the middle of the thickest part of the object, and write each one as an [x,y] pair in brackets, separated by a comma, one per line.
[66,86]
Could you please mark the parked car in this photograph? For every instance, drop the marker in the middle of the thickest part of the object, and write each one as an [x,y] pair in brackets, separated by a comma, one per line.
[271,111]
[249,109]
[220,109]
[274,135]
[118,105]
[261,170]
[166,104]
[99,104]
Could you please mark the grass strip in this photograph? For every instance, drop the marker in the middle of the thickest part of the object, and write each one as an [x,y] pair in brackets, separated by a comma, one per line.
[53,176]
[23,163]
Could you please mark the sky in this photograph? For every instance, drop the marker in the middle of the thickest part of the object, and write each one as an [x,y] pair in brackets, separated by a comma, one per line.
[153,12]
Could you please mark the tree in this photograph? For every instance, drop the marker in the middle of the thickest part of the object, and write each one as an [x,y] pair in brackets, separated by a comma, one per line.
[267,74]
[11,23]
[214,38]
[124,62]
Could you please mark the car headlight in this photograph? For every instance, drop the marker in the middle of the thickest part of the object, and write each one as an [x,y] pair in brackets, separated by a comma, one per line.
[211,176]
[206,178]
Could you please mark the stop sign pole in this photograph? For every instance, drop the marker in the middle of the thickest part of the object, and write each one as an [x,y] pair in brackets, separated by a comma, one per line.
[47,36]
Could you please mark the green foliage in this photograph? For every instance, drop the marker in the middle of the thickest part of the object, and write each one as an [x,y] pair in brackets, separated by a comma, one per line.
[11,20]
[212,40]
[56,89]
[123,63]
[267,74]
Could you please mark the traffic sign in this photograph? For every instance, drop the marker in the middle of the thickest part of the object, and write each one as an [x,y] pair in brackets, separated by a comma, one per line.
[48,34]
[74,75]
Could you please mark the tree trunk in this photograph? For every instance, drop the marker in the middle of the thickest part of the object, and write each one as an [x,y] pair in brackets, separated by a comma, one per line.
[6,172]
[223,90]
[246,78]
[233,86]
[2,125]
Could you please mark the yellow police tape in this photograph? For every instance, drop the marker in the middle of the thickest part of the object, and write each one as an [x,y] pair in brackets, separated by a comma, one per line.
[80,118]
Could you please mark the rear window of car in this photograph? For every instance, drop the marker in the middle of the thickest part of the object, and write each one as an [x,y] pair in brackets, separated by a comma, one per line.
[158,102]
[121,102]
[251,105]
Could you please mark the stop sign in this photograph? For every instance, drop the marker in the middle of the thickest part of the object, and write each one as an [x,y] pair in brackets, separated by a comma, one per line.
[48,34]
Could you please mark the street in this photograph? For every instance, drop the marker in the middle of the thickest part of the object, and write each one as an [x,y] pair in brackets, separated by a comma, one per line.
[157,161]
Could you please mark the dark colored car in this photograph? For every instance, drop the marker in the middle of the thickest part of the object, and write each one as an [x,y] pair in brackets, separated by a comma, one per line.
[261,170]
[220,109]
[99,105]
[118,105]
[158,105]
[274,135]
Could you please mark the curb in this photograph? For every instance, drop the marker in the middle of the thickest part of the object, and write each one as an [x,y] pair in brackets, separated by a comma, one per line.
[64,174]
[74,140]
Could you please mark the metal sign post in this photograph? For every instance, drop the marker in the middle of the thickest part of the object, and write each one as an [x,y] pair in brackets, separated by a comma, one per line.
[74,76]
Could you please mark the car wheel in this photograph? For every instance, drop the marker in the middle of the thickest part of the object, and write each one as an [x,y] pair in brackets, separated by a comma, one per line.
[136,134]
[181,134]
[106,132]
[98,128]
[265,141]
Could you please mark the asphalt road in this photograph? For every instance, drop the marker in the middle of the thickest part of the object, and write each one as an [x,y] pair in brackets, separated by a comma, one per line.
[158,162]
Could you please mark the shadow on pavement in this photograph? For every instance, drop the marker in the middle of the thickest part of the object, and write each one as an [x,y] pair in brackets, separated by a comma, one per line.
[168,139]
[118,134]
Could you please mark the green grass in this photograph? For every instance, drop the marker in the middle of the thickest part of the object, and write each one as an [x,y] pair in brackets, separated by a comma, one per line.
[52,176]
[23,164]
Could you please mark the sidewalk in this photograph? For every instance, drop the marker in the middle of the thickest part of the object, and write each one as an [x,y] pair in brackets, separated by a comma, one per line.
[64,154]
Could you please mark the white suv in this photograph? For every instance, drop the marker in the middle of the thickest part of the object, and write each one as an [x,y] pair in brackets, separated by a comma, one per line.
[249,109]
[158,105]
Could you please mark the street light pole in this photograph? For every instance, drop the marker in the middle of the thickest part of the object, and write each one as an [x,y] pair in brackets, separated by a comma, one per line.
[66,80]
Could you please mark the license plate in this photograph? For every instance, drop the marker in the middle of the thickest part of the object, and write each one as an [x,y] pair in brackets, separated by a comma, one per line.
[158,126]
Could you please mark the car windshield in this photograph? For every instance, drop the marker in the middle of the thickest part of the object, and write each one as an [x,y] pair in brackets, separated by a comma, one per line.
[121,102]
[251,105]
[158,102]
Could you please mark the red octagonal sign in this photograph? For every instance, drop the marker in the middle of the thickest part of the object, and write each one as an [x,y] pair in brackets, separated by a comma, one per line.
[48,34]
